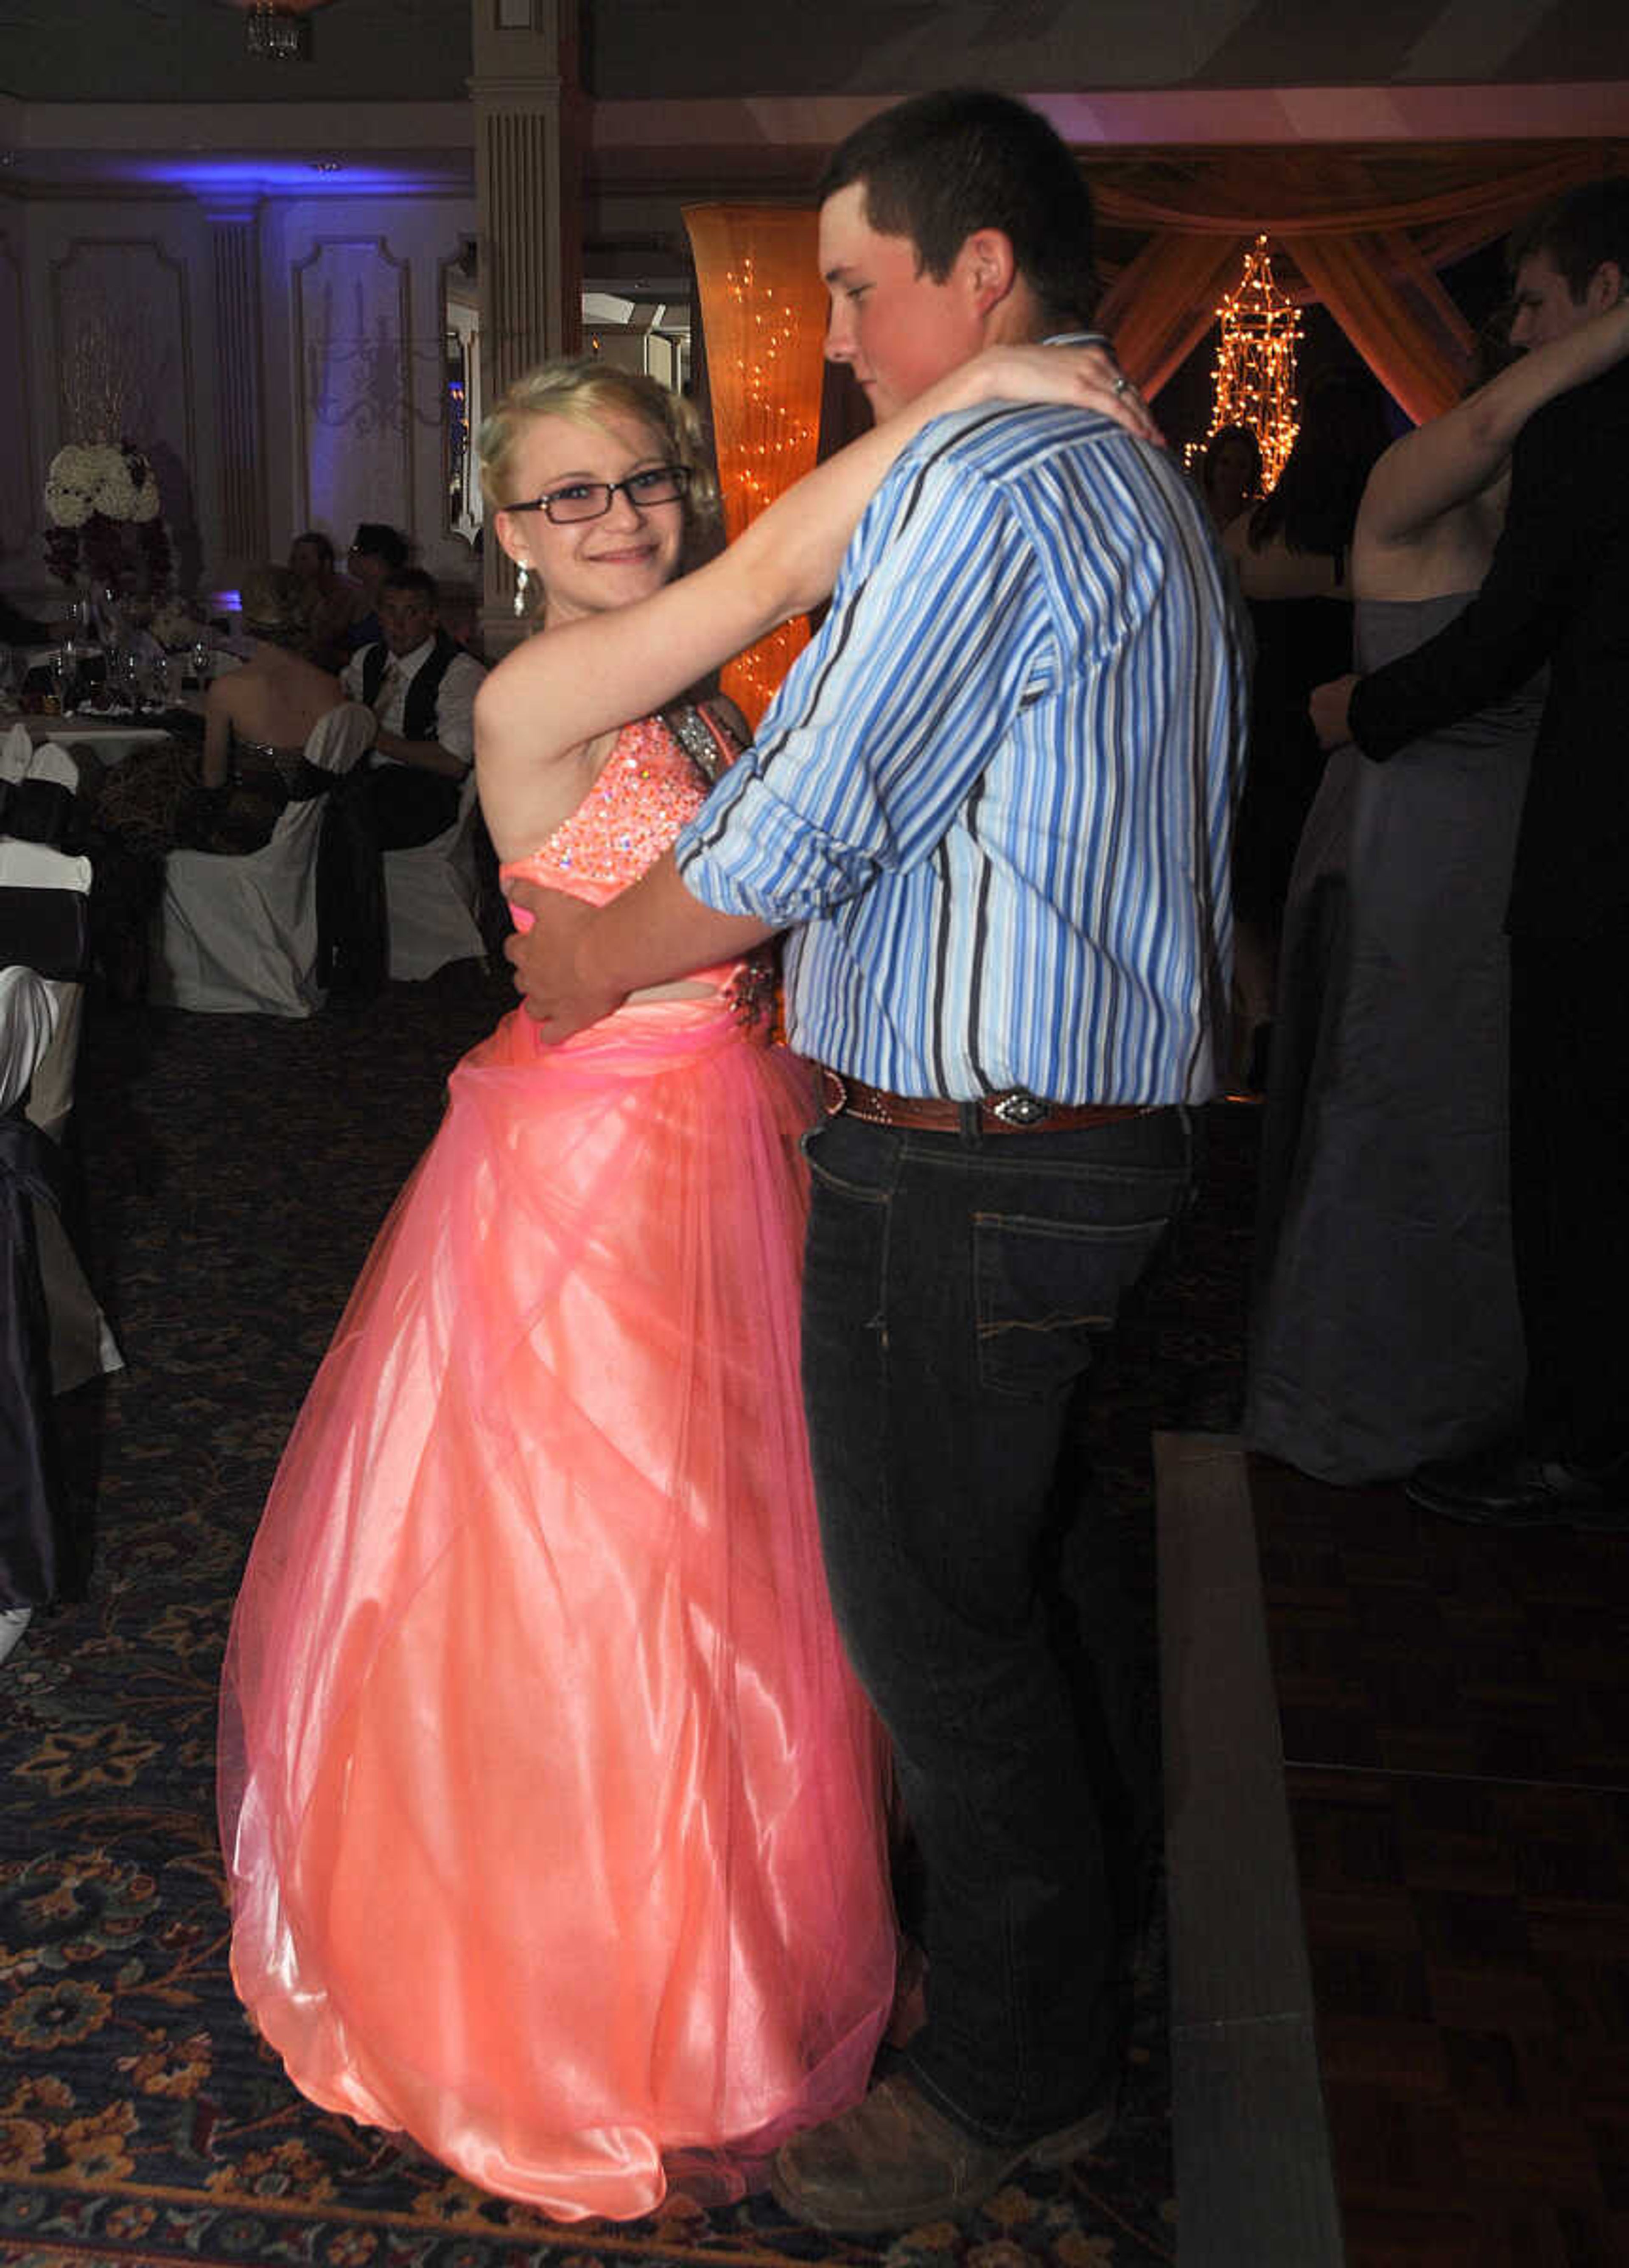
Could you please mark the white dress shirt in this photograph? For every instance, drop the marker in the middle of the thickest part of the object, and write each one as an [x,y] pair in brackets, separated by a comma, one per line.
[455,696]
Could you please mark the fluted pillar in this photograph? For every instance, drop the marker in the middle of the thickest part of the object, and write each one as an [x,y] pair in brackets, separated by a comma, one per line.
[528,197]
[241,525]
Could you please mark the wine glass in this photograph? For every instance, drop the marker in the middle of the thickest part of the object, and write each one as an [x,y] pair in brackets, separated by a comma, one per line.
[65,676]
[125,671]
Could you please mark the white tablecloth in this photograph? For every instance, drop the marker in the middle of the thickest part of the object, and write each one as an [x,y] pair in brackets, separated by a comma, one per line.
[110,739]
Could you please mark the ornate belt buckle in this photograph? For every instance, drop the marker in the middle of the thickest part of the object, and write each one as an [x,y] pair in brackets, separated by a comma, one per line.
[834,1094]
[1018,1108]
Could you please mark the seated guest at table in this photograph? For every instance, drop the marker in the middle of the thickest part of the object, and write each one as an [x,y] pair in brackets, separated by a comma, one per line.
[376,550]
[333,603]
[257,720]
[421,685]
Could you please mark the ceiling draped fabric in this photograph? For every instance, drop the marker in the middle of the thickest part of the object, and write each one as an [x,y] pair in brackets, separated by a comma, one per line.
[1366,233]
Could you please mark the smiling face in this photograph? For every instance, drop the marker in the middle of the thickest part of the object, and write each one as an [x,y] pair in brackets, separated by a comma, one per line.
[590,566]
[895,327]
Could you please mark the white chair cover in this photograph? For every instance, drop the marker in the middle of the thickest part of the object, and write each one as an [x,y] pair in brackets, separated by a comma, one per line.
[430,894]
[48,1010]
[20,760]
[51,1098]
[240,933]
[16,753]
[28,1013]
[27,1019]
[36,866]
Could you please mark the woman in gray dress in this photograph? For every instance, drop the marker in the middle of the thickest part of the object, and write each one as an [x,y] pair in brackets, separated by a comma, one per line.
[1385,1331]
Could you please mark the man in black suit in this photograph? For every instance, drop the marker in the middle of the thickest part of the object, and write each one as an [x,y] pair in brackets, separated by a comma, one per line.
[1556,592]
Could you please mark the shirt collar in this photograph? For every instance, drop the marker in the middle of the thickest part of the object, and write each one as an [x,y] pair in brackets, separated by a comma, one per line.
[410,664]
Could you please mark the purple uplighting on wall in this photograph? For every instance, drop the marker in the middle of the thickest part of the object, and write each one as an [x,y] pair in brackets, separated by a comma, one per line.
[281,176]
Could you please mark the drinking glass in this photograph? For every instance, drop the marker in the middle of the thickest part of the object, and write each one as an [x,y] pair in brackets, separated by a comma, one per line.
[65,676]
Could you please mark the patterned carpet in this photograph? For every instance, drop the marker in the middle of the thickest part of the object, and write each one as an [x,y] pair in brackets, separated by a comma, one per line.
[236,1169]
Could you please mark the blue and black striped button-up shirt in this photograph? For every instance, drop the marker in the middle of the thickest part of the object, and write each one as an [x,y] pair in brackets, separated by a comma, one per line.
[993,798]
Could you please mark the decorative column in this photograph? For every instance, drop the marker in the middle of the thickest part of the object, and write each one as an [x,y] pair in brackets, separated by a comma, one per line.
[241,519]
[763,317]
[528,198]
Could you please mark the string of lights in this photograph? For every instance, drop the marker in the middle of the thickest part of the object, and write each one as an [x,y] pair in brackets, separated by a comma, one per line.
[772,440]
[1253,381]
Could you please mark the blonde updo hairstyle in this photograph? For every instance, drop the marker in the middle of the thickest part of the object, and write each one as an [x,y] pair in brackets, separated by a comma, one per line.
[276,608]
[587,393]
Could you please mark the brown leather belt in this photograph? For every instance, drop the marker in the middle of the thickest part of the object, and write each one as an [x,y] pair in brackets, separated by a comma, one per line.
[1015,1112]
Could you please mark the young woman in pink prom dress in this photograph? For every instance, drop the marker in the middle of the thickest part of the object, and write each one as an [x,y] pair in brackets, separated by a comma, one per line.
[553,1818]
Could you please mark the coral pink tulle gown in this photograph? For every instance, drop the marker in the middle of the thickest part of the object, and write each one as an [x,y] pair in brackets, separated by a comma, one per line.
[552,1816]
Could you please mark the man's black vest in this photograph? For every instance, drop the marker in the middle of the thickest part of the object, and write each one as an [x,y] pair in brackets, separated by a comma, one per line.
[418,711]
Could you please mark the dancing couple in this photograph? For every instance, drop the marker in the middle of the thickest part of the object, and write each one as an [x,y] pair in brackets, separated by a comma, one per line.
[554,1817]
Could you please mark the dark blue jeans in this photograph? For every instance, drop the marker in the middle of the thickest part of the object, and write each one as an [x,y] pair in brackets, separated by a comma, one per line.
[958,1289]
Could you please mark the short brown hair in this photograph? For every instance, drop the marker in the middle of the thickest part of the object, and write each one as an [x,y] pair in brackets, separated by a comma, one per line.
[1580,232]
[941,167]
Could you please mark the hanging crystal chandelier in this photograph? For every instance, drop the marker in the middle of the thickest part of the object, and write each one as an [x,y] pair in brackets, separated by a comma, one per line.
[278,31]
[274,36]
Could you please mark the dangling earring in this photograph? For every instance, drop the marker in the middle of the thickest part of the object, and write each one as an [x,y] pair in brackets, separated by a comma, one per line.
[523,576]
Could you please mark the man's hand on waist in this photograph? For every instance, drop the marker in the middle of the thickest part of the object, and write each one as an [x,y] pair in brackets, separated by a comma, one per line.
[1329,704]
[546,960]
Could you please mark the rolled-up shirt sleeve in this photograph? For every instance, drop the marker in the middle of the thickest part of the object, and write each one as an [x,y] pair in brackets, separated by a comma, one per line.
[883,728]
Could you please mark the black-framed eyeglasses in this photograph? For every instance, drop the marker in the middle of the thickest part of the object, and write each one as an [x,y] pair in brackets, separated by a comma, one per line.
[591,499]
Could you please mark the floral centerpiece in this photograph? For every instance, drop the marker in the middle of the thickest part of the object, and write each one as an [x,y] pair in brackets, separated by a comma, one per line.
[102,503]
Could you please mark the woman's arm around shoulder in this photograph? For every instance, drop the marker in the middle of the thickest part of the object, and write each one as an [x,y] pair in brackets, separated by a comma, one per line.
[1453,458]
[561,689]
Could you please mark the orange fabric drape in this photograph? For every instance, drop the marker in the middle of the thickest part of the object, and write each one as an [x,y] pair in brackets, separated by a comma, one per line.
[1160,307]
[1359,240]
[763,317]
[1300,191]
[1388,326]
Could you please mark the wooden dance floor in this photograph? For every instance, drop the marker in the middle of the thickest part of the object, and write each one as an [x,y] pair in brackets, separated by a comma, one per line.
[1397,1767]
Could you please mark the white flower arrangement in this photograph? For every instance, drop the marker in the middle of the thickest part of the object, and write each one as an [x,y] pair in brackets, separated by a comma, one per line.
[71,485]
[103,514]
[101,476]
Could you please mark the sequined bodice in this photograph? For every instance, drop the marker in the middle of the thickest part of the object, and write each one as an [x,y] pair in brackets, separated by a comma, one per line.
[646,791]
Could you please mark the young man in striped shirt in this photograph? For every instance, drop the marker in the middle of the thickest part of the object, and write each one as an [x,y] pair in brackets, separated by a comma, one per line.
[991,806]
